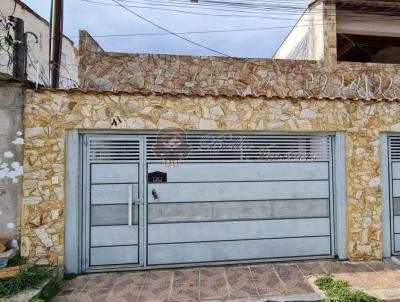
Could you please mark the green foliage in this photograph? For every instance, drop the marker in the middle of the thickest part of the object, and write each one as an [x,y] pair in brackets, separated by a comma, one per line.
[17,260]
[52,288]
[69,276]
[325,282]
[338,291]
[27,278]
[8,39]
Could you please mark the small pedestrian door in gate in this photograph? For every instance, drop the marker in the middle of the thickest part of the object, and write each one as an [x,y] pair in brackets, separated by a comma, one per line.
[112,202]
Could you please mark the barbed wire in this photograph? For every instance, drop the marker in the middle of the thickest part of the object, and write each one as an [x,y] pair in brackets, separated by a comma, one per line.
[7,43]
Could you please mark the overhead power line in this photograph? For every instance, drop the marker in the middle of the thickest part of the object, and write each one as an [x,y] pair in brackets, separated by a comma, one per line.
[168,31]
[196,32]
[201,6]
[248,4]
[185,39]
[264,15]
[251,62]
[191,12]
[263,11]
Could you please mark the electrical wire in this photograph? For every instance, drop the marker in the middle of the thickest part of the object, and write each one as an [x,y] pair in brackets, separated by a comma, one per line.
[43,76]
[67,81]
[15,7]
[193,13]
[251,62]
[172,33]
[186,39]
[301,10]
[267,16]
[196,32]
[248,5]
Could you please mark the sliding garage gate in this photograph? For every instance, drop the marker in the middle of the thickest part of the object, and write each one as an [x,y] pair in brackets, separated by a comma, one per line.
[394,171]
[210,198]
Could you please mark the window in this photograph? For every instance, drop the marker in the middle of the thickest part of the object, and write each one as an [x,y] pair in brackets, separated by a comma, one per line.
[63,58]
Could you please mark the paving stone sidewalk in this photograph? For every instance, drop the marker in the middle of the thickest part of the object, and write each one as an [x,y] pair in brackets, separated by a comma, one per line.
[258,282]
[383,283]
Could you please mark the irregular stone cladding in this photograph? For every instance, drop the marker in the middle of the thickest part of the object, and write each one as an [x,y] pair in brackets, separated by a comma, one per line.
[49,114]
[248,77]
[106,71]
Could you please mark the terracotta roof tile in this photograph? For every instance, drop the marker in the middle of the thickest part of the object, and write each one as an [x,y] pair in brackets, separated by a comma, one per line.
[181,94]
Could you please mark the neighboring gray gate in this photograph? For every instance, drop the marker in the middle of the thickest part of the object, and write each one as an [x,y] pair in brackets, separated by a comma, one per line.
[226,197]
[394,191]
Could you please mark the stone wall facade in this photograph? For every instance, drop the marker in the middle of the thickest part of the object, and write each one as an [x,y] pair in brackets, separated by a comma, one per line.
[49,114]
[226,76]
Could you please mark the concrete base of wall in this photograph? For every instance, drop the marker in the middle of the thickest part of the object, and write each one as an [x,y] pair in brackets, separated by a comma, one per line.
[12,95]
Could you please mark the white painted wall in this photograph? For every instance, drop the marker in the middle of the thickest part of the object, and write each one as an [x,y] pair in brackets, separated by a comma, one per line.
[39,52]
[306,40]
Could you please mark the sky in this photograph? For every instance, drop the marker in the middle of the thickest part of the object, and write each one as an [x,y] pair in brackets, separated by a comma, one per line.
[99,19]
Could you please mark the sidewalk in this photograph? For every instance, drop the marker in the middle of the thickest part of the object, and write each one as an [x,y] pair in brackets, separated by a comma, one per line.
[258,282]
[382,284]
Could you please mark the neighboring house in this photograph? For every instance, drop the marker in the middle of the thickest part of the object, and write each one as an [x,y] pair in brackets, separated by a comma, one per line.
[12,98]
[38,51]
[161,160]
[358,39]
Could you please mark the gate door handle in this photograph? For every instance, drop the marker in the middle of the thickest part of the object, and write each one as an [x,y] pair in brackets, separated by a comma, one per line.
[138,201]
[130,200]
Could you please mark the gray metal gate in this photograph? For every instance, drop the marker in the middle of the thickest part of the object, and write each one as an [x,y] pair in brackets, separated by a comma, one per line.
[232,197]
[394,191]
[113,207]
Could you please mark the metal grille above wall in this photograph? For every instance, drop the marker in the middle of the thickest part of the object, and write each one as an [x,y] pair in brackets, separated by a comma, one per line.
[114,150]
[394,145]
[237,147]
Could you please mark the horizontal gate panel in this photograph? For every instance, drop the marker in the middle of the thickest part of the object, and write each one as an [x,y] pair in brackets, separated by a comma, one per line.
[396,170]
[112,214]
[397,242]
[115,173]
[396,206]
[112,193]
[208,172]
[237,210]
[396,188]
[396,223]
[114,255]
[114,235]
[187,192]
[300,208]
[238,250]
[237,230]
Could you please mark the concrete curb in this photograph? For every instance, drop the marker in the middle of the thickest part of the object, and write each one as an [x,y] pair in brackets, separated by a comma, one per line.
[314,297]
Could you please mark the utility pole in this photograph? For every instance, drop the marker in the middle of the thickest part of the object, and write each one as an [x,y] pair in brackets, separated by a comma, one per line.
[56,34]
[19,49]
